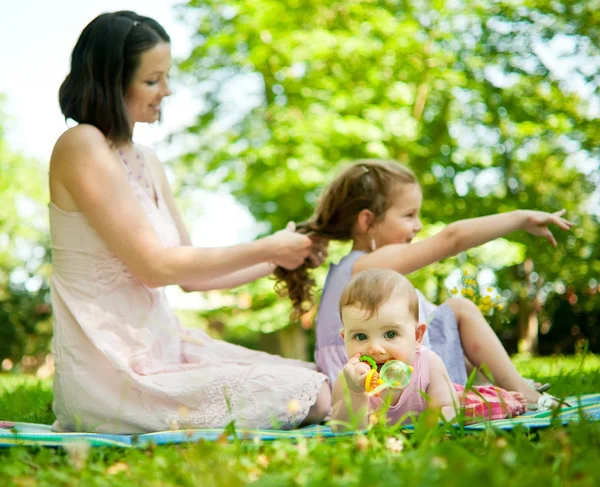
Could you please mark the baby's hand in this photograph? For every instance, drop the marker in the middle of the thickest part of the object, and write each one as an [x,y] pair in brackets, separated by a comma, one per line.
[355,373]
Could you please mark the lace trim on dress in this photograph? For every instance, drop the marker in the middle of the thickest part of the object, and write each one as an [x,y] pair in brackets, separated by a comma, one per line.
[227,400]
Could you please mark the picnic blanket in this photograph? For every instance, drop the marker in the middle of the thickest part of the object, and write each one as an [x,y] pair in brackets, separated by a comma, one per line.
[14,433]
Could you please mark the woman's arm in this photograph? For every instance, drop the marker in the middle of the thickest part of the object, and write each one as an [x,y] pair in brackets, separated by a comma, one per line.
[318,250]
[83,165]
[460,236]
[441,392]
[228,281]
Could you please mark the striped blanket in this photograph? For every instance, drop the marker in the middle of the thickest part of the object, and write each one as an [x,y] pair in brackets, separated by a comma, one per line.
[41,435]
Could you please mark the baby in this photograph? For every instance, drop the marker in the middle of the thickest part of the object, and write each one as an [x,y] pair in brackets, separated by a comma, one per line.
[379,310]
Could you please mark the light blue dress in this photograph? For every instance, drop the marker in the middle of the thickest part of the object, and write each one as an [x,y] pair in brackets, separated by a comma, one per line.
[442,335]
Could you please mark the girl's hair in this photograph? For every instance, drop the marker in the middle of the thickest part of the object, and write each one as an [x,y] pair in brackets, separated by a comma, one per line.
[367,184]
[103,63]
[371,289]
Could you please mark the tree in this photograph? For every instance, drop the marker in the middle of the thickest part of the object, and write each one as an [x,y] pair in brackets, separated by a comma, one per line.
[25,326]
[466,93]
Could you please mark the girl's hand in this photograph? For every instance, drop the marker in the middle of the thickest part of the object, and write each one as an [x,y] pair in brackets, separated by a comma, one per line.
[355,373]
[536,223]
[291,248]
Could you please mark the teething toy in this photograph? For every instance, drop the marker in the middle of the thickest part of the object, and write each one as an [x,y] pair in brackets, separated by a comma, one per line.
[394,373]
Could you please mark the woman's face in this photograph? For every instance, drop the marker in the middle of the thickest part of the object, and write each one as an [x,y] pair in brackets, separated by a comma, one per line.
[149,84]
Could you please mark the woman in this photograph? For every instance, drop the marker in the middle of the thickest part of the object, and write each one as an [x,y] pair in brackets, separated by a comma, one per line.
[123,362]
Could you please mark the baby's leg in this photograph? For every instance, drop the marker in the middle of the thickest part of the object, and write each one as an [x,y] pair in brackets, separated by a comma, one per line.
[482,347]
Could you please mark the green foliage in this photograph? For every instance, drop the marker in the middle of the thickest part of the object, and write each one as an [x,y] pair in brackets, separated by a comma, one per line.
[429,456]
[24,255]
[468,93]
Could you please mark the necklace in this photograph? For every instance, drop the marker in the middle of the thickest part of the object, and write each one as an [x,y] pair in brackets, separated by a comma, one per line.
[141,178]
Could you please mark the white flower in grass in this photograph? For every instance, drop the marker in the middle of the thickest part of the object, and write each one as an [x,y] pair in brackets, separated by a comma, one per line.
[509,457]
[439,462]
[77,453]
[501,442]
[254,475]
[362,443]
[395,445]
[116,468]
[302,447]
[262,460]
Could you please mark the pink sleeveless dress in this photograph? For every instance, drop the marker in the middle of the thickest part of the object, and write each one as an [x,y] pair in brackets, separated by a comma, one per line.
[479,402]
[123,362]
[411,402]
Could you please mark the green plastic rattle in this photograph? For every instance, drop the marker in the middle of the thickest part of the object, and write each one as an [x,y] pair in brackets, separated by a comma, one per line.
[394,374]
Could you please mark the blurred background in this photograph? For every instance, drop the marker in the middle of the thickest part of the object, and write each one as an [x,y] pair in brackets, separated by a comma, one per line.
[494,105]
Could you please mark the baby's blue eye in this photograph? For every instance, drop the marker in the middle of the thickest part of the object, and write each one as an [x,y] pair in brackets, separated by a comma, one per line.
[361,337]
[391,334]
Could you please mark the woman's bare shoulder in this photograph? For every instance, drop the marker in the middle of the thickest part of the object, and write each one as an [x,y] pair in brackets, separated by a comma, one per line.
[78,146]
[75,157]
[80,138]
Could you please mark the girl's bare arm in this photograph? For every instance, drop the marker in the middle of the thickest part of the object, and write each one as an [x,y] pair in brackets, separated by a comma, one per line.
[460,236]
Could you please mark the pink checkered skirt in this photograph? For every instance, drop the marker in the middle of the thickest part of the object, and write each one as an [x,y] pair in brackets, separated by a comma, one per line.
[488,403]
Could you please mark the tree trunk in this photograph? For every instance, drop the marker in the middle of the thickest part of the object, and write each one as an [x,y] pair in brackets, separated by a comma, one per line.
[293,342]
[528,315]
[528,329]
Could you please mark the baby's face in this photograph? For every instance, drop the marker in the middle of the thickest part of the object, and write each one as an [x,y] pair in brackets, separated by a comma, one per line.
[391,334]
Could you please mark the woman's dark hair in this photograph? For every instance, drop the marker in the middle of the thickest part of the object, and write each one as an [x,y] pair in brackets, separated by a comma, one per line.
[367,184]
[103,62]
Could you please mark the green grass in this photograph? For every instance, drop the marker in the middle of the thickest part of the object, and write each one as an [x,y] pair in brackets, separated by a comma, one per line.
[431,455]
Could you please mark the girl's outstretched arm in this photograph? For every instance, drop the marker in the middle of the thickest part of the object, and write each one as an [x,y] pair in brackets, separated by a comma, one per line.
[458,237]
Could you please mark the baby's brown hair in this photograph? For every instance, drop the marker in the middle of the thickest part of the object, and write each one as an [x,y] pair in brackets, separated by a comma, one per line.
[372,288]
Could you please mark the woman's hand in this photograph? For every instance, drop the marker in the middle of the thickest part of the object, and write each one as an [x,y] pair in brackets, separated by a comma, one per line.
[536,223]
[290,248]
[355,373]
[318,251]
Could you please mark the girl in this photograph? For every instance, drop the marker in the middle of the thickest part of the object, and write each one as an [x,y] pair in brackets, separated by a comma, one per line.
[375,204]
[379,310]
[123,362]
